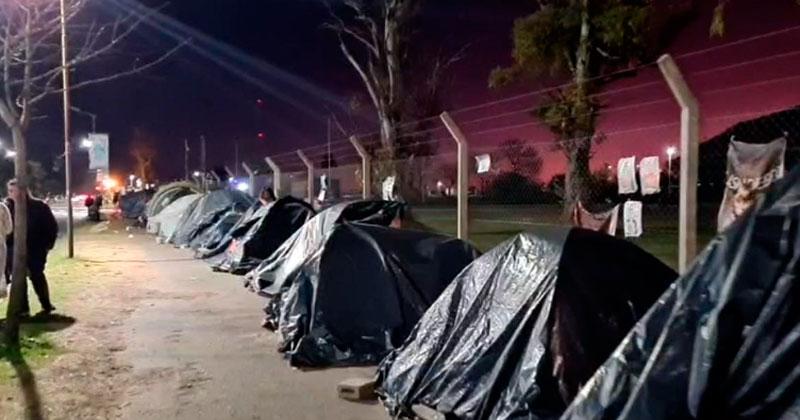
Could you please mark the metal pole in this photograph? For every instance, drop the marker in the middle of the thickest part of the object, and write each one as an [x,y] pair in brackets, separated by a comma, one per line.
[251,176]
[236,152]
[203,154]
[67,146]
[310,176]
[366,167]
[689,152]
[186,159]
[276,176]
[463,175]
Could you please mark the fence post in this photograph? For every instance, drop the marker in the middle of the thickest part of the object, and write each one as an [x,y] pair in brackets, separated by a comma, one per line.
[463,175]
[689,153]
[310,169]
[251,179]
[366,167]
[276,176]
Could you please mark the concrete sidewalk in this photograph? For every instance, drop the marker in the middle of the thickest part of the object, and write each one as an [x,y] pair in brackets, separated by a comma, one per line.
[195,343]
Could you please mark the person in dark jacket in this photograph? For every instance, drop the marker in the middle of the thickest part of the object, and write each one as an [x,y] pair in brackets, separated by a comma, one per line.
[42,235]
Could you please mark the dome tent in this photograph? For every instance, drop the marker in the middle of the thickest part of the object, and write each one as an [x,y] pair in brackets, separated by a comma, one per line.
[264,232]
[207,212]
[166,221]
[360,295]
[518,330]
[722,342]
[167,194]
[311,235]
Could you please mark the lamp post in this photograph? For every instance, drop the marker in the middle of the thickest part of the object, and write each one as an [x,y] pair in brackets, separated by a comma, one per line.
[67,160]
[671,151]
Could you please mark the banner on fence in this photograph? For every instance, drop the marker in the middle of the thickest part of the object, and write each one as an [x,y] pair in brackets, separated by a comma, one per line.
[484,163]
[601,222]
[632,219]
[650,175]
[752,168]
[323,188]
[626,175]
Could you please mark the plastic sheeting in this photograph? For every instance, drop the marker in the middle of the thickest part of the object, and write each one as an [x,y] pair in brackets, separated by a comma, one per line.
[167,195]
[523,326]
[217,244]
[724,341]
[270,228]
[134,204]
[360,295]
[214,235]
[165,222]
[273,271]
[207,212]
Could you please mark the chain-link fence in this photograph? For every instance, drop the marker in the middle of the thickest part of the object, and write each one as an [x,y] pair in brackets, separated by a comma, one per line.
[524,171]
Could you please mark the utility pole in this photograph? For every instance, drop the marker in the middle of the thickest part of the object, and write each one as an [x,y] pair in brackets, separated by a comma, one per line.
[203,154]
[186,151]
[67,146]
[236,153]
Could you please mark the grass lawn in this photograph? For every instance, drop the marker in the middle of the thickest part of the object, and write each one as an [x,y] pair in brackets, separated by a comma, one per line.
[37,348]
[493,224]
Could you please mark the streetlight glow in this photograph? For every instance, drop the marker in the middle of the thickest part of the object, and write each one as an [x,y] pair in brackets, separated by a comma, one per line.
[671,151]
[10,154]
[86,144]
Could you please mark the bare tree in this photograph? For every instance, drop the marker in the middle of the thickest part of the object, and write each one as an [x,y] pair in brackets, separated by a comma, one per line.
[373,36]
[31,66]
[144,154]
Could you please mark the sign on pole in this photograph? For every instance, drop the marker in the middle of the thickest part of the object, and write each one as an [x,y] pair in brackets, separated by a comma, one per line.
[99,152]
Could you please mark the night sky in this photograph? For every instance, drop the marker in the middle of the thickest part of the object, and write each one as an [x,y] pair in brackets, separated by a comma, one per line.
[276,51]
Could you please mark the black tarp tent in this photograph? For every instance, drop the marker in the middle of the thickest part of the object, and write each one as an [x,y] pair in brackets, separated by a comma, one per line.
[362,292]
[133,205]
[216,242]
[523,326]
[270,227]
[724,341]
[206,212]
[293,252]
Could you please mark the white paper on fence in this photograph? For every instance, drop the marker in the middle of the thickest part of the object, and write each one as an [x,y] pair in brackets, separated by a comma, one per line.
[626,175]
[484,163]
[650,175]
[321,196]
[323,187]
[751,169]
[632,219]
[388,188]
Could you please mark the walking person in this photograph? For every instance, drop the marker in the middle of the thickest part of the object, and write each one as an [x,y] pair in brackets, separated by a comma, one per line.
[6,227]
[42,235]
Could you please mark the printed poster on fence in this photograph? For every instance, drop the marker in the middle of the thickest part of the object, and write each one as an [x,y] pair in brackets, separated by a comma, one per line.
[601,222]
[98,152]
[632,219]
[650,175]
[752,168]
[484,163]
[388,188]
[626,175]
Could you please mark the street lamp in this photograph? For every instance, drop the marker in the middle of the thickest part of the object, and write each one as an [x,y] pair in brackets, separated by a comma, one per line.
[671,152]
[10,154]
[86,144]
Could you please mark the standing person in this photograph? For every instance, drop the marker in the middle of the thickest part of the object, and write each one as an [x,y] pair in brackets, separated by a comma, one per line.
[42,235]
[267,196]
[6,228]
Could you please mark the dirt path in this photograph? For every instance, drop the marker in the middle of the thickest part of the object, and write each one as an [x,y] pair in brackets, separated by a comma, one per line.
[158,336]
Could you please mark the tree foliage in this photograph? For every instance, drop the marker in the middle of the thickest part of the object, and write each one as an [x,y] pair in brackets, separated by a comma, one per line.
[523,158]
[590,42]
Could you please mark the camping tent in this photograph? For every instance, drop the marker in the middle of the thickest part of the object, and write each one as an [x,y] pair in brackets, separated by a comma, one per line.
[293,252]
[166,221]
[521,328]
[268,229]
[207,212]
[217,240]
[363,291]
[134,204]
[722,342]
[167,194]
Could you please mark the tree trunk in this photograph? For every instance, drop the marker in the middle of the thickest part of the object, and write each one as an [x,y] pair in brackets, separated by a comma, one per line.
[579,147]
[20,258]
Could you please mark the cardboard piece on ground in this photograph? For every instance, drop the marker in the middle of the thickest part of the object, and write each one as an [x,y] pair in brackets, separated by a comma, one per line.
[357,389]
[426,413]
